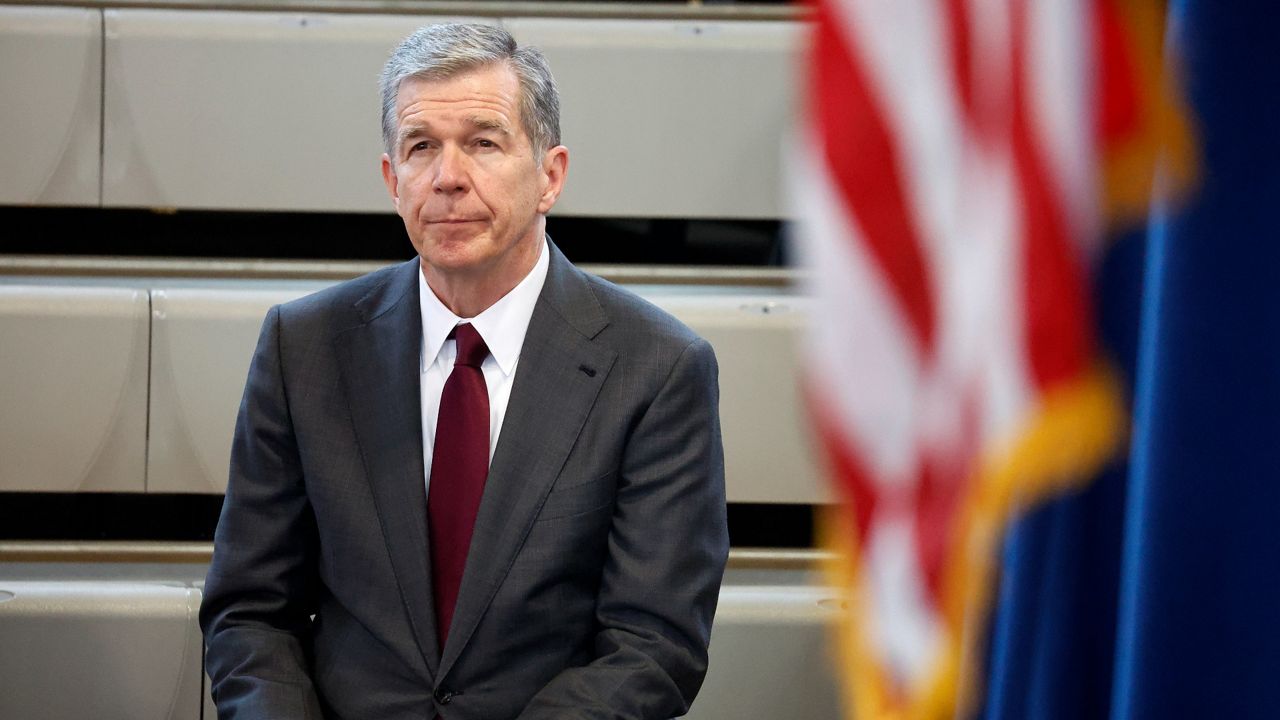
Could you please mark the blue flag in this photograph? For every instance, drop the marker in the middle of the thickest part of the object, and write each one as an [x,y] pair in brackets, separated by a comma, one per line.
[1154,592]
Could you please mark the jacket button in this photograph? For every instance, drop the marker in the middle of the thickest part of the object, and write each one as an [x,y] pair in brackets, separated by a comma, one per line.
[443,696]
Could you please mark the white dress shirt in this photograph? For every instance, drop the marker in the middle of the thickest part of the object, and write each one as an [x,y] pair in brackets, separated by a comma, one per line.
[502,326]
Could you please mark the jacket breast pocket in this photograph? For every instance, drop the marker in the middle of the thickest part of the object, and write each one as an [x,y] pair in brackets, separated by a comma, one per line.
[573,499]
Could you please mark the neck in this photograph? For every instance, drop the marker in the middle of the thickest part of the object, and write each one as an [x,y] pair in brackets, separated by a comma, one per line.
[469,293]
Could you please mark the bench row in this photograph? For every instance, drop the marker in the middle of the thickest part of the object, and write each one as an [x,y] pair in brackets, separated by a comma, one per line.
[201,109]
[131,650]
[134,387]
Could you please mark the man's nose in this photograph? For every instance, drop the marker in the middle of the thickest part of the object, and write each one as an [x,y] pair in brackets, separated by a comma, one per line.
[451,172]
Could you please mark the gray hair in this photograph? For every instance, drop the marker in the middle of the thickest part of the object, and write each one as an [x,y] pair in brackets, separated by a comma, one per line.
[439,52]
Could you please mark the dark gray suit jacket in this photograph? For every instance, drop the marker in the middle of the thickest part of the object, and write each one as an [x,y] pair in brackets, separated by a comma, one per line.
[598,550]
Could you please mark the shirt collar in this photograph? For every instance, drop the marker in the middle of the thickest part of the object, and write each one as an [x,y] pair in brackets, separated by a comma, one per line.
[502,325]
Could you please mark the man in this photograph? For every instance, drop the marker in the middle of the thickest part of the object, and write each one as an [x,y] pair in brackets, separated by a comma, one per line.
[480,485]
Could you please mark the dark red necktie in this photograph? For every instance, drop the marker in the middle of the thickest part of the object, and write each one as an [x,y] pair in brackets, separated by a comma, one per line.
[459,465]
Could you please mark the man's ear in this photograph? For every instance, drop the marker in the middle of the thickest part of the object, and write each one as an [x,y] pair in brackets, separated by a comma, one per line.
[555,165]
[391,181]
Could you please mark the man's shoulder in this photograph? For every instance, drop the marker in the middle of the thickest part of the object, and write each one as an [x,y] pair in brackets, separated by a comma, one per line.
[637,325]
[351,302]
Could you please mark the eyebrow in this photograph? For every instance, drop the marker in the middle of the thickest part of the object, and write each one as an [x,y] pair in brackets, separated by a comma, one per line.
[489,124]
[410,132]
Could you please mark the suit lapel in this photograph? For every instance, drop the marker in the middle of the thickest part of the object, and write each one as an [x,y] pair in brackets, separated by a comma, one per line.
[558,377]
[380,363]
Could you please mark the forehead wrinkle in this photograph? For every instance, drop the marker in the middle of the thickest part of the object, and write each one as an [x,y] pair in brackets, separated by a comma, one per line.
[417,95]
[428,109]
[426,103]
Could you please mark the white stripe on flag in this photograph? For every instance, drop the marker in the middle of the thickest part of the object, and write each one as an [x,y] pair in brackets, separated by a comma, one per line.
[861,350]
[1058,71]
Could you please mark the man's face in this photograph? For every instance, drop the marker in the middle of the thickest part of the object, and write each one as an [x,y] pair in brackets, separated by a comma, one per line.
[462,173]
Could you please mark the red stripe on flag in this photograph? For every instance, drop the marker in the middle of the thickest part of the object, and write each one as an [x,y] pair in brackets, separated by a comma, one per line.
[957,18]
[865,170]
[1056,314]
[984,108]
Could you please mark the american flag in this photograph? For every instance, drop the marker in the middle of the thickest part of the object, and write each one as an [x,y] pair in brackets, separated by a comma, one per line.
[957,164]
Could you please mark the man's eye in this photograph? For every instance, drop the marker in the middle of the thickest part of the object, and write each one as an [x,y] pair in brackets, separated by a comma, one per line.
[485,143]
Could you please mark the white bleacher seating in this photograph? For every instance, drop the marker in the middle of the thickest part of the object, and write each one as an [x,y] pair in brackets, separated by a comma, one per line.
[202,341]
[663,118]
[111,641]
[670,118]
[771,655]
[108,650]
[50,105]
[73,378]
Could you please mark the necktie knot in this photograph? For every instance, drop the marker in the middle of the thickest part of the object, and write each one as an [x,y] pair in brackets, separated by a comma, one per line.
[471,348]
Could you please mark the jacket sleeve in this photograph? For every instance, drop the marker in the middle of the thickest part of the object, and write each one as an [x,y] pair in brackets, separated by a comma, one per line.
[259,594]
[667,550]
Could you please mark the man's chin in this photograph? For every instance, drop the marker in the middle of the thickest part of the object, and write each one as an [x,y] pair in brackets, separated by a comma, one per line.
[454,242]
[460,257]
